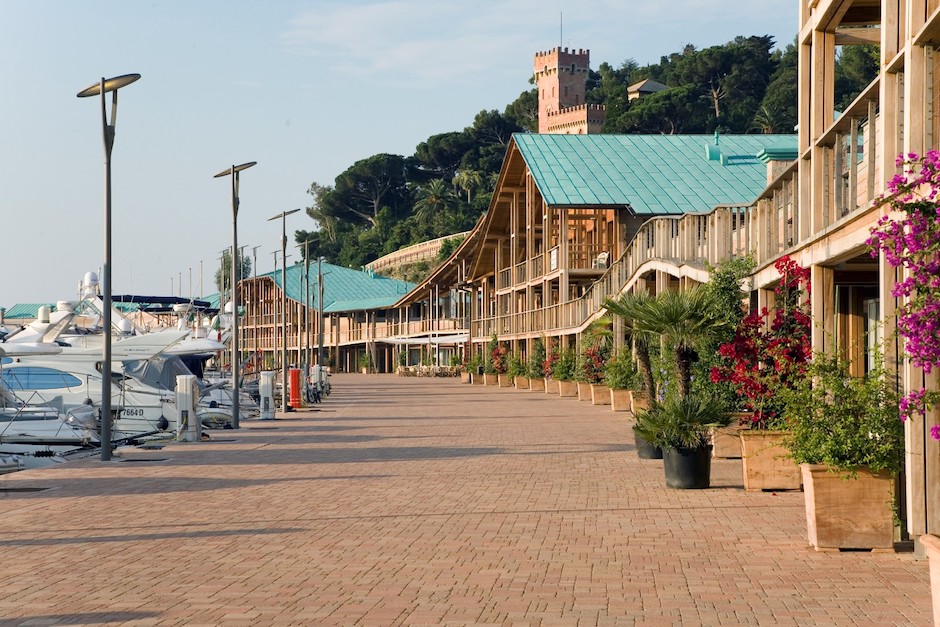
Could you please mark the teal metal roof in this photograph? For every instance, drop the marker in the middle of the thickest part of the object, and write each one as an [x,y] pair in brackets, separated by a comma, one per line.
[25,310]
[653,174]
[344,289]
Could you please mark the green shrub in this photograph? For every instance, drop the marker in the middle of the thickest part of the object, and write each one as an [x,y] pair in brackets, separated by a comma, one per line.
[621,373]
[682,422]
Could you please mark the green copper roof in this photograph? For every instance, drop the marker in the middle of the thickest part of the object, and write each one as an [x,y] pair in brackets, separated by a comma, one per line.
[25,310]
[344,289]
[653,174]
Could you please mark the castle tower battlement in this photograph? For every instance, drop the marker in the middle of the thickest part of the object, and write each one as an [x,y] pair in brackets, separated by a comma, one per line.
[560,76]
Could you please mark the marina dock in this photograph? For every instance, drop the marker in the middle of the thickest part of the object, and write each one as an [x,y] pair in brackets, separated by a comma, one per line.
[424,502]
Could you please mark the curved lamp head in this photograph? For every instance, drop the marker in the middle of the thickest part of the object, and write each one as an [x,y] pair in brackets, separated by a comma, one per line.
[283,214]
[234,169]
[110,84]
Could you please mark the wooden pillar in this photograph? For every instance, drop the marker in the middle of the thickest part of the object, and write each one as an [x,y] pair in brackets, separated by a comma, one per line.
[823,307]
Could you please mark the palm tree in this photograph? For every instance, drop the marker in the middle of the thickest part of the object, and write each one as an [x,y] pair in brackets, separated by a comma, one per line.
[432,198]
[630,308]
[468,180]
[686,322]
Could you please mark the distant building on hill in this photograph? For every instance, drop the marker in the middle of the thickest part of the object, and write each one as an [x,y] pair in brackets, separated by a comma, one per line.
[561,76]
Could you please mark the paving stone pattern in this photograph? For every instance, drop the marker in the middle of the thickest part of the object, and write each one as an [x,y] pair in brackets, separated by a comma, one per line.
[425,502]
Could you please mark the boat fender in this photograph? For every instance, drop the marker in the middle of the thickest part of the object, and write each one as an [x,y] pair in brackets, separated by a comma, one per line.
[163,424]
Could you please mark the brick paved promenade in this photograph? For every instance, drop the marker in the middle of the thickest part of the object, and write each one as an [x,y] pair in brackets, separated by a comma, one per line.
[418,501]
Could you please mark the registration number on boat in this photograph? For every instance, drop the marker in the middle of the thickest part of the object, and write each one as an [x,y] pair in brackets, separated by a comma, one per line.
[132,411]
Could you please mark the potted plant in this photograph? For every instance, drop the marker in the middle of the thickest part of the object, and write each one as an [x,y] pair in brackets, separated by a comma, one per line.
[474,367]
[534,366]
[847,436]
[681,426]
[365,362]
[631,308]
[501,366]
[515,369]
[562,371]
[621,376]
[548,367]
[761,359]
[490,375]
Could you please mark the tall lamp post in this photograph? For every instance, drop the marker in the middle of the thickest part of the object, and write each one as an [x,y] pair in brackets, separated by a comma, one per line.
[102,87]
[234,276]
[320,310]
[283,218]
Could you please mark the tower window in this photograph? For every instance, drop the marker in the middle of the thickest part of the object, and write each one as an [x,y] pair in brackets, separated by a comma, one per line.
[572,68]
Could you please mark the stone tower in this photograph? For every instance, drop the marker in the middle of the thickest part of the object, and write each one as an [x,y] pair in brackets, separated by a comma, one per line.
[560,76]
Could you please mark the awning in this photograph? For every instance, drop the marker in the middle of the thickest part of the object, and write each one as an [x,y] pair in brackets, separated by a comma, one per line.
[437,339]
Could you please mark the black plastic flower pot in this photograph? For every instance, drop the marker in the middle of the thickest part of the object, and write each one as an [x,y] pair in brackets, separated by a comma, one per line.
[688,468]
[645,450]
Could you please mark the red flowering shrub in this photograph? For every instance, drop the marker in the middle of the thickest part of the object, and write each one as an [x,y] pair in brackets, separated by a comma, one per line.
[761,360]
[594,362]
[551,356]
[500,363]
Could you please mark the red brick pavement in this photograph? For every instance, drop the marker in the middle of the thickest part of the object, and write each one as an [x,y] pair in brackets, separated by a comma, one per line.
[425,502]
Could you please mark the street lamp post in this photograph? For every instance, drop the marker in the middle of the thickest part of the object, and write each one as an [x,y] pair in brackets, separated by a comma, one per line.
[283,218]
[101,88]
[234,276]
[320,311]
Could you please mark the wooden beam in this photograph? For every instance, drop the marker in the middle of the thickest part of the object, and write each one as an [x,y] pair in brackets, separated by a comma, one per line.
[858,36]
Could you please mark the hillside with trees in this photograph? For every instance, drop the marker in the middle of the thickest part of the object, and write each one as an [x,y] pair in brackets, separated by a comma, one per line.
[384,202]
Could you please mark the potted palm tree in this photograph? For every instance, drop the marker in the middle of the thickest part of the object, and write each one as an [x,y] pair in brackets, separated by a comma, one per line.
[681,427]
[683,323]
[847,436]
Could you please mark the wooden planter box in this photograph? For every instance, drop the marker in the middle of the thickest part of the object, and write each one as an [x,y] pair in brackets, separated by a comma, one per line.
[600,394]
[584,391]
[621,400]
[476,379]
[465,377]
[505,381]
[932,549]
[490,379]
[537,385]
[766,463]
[725,442]
[551,386]
[848,513]
[522,383]
[568,389]
[638,403]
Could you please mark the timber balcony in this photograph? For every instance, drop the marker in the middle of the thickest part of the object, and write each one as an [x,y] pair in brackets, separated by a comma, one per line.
[847,160]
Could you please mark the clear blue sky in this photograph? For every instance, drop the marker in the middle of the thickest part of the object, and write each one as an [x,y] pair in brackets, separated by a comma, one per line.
[303,88]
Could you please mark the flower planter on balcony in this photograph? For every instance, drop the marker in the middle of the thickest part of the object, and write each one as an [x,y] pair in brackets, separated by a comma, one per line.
[551,386]
[621,400]
[584,391]
[537,385]
[505,381]
[568,389]
[766,463]
[848,513]
[490,379]
[600,394]
[522,383]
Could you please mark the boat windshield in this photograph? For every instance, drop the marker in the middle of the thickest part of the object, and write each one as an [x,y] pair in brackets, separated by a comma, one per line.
[159,372]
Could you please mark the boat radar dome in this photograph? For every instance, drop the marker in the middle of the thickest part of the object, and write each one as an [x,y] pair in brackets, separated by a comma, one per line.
[125,326]
[66,306]
[42,314]
[228,307]
[89,285]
